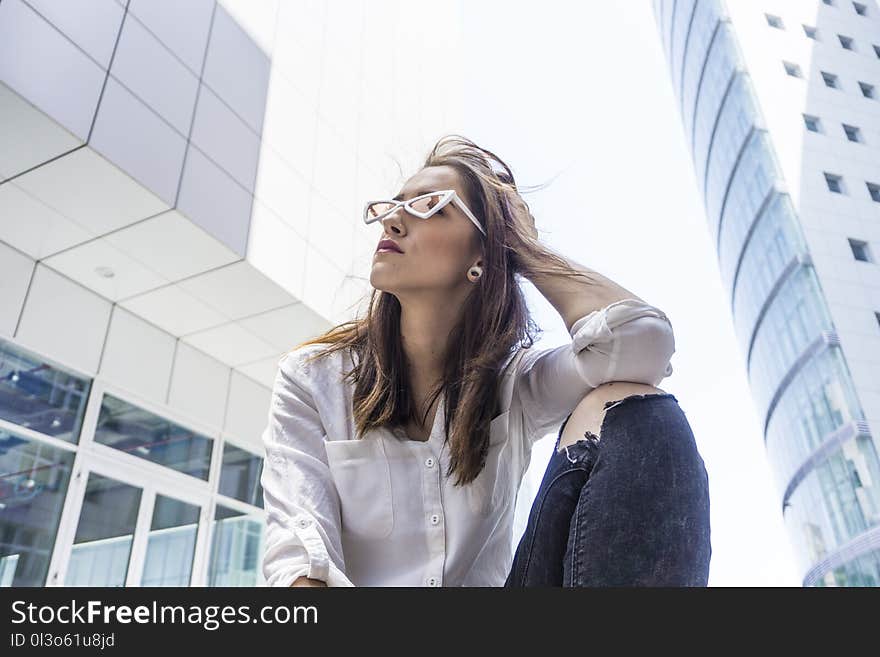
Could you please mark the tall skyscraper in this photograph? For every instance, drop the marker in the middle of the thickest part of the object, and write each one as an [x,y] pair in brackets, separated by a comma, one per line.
[181,187]
[780,104]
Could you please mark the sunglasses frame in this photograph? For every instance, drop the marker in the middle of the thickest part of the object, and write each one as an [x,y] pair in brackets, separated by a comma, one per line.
[449,196]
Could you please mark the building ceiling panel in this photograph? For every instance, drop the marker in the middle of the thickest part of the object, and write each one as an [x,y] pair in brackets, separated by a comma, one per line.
[91,191]
[237,290]
[231,344]
[174,310]
[33,227]
[285,327]
[262,371]
[28,137]
[173,246]
[103,268]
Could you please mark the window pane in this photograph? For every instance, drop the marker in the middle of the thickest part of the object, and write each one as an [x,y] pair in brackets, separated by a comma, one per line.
[39,396]
[240,475]
[172,543]
[236,549]
[859,250]
[33,484]
[133,430]
[830,79]
[104,534]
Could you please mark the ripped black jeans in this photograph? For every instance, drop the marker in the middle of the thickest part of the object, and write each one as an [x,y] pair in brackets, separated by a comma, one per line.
[629,508]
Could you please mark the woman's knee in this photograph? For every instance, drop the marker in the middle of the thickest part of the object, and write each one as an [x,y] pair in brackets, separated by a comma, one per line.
[586,419]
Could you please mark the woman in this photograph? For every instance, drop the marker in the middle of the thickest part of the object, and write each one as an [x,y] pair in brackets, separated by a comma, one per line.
[396,443]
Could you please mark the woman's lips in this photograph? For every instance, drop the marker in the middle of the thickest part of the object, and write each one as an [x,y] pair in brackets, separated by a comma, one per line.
[388,251]
[386,244]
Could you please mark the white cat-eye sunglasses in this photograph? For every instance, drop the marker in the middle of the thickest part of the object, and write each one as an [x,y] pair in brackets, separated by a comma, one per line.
[423,206]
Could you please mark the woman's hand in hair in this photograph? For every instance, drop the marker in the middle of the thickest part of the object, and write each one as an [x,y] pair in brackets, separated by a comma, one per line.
[522,237]
[523,220]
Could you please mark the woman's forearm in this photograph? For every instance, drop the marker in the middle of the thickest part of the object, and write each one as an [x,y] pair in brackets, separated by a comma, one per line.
[574,297]
[302,580]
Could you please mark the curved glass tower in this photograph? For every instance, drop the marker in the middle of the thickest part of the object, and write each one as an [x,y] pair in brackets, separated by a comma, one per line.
[782,254]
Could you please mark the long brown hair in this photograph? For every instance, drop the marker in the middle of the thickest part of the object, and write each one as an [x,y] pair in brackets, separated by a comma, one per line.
[495,321]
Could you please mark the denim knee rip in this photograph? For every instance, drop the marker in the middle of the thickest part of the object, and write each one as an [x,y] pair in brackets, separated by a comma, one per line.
[617,402]
[589,435]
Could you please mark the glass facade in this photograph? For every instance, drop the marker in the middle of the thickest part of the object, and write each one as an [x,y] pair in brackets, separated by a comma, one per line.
[104,534]
[863,570]
[819,402]
[240,475]
[697,41]
[39,396]
[133,430]
[774,245]
[172,543]
[235,549]
[33,485]
[835,502]
[748,189]
[823,458]
[720,65]
[128,521]
[795,318]
[681,21]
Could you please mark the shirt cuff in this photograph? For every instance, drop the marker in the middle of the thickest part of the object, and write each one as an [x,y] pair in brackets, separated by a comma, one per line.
[334,578]
[320,564]
[301,552]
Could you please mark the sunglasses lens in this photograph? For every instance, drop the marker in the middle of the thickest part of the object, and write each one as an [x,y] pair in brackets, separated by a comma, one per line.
[375,210]
[426,203]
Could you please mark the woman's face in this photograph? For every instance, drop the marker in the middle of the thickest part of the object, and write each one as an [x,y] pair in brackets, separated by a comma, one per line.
[437,252]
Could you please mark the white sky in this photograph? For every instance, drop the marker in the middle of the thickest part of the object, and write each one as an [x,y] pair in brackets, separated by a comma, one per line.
[583,88]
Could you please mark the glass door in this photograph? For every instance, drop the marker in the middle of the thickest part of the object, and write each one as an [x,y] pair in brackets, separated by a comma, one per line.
[130,529]
[101,549]
[172,543]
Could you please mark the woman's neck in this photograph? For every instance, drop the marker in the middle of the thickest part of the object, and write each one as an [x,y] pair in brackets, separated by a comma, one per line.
[425,330]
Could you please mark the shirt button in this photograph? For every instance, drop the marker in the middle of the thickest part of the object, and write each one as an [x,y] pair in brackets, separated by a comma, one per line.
[429,462]
[432,581]
[435,519]
[305,522]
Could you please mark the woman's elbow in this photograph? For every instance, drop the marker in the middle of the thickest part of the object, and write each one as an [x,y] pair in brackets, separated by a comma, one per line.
[645,353]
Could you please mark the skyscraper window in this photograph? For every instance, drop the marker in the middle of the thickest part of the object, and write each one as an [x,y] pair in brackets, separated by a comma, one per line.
[774,21]
[834,182]
[860,250]
[830,80]
[792,69]
[852,133]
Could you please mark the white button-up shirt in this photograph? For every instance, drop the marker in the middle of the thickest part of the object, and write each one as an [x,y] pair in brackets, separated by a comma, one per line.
[378,511]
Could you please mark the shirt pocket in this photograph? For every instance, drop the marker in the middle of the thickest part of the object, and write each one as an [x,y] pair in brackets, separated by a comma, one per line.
[362,476]
[490,491]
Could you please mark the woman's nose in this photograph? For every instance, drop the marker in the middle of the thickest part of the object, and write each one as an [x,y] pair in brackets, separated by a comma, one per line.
[395,220]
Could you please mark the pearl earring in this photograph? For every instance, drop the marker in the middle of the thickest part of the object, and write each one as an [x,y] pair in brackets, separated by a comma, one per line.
[475,272]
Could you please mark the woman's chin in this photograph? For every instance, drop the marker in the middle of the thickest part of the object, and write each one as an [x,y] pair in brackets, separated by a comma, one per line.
[380,281]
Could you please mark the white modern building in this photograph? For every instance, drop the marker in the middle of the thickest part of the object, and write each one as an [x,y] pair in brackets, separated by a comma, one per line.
[180,194]
[780,105]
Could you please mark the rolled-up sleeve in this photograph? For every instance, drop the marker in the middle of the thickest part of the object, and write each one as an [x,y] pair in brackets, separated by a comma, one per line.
[302,505]
[628,340]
